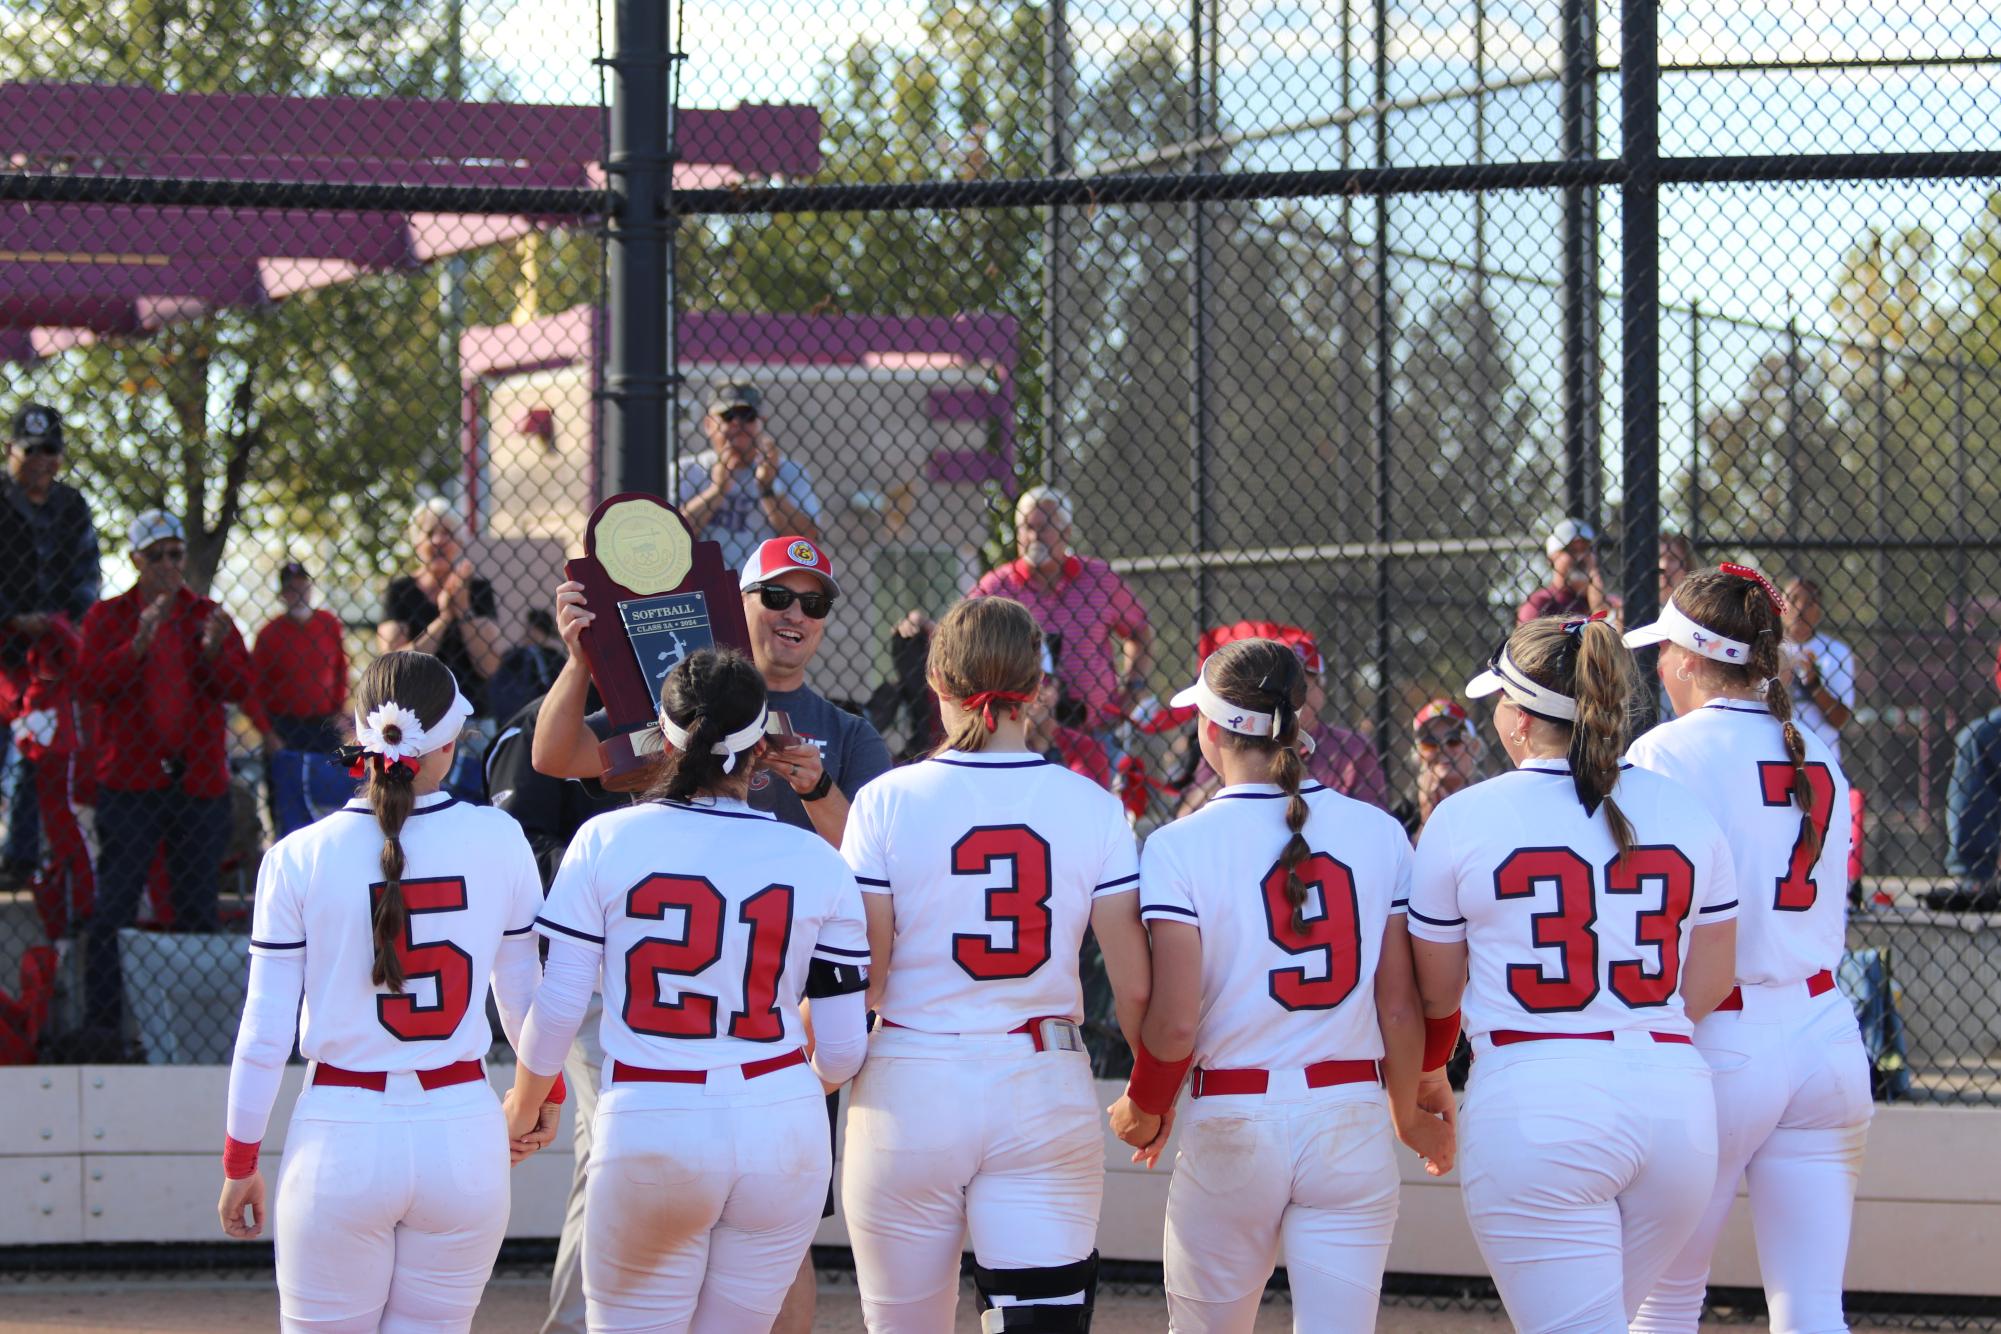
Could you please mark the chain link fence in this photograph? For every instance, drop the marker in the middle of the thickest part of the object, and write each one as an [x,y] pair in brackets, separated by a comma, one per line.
[1319,313]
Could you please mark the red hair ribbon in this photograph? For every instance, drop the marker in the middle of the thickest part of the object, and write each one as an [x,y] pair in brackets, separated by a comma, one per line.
[1771,590]
[982,702]
[1575,626]
[362,761]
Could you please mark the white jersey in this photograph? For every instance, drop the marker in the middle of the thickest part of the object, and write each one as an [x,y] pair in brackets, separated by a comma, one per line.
[1563,935]
[1273,997]
[469,878]
[1731,754]
[991,862]
[709,915]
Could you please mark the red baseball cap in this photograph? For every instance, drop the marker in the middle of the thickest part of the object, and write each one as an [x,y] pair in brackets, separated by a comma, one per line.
[782,555]
[1297,639]
[1441,708]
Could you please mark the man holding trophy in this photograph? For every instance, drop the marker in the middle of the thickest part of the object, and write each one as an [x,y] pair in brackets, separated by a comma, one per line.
[645,595]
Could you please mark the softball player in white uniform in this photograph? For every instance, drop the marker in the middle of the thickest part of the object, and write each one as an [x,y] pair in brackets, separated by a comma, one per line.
[1280,962]
[1595,906]
[388,916]
[1792,1081]
[706,922]
[979,870]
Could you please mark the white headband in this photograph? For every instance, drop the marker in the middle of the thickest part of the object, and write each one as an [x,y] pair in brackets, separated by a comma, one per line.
[1232,717]
[1675,625]
[1503,675]
[413,739]
[742,739]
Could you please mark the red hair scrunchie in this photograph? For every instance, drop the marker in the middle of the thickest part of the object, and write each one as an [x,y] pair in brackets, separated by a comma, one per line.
[982,702]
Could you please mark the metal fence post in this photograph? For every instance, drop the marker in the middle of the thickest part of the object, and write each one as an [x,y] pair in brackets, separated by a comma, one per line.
[1695,428]
[1639,306]
[1056,161]
[1201,412]
[1580,249]
[637,355]
[1385,649]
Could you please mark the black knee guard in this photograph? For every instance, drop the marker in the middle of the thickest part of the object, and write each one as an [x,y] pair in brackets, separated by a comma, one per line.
[1038,1286]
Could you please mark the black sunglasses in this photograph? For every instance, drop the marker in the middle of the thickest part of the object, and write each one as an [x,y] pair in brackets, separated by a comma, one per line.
[1453,739]
[175,554]
[777,597]
[740,415]
[47,447]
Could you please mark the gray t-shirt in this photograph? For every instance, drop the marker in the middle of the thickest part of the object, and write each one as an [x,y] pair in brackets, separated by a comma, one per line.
[738,523]
[851,750]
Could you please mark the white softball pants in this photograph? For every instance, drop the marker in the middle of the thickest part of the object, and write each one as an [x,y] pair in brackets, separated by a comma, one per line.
[950,1134]
[1586,1167]
[390,1208]
[1792,1114]
[1310,1172]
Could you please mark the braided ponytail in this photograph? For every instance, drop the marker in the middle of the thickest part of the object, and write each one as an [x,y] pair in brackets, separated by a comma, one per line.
[1768,662]
[1266,675]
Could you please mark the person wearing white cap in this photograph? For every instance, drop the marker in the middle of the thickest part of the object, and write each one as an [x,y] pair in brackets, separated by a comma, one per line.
[1281,967]
[1792,1080]
[742,490]
[1575,587]
[1584,910]
[160,662]
[708,922]
[788,589]
[389,918]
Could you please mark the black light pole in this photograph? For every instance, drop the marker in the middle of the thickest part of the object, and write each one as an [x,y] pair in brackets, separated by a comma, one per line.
[638,376]
[1639,305]
[1580,259]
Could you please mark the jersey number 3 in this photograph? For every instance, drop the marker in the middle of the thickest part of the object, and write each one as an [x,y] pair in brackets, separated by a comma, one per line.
[1569,927]
[1777,781]
[442,963]
[768,914]
[1023,904]
[1335,935]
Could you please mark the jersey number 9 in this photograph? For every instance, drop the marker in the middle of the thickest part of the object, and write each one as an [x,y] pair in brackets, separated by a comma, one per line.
[1335,934]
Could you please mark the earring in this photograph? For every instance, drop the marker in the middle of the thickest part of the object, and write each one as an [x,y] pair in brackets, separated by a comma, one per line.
[1683,674]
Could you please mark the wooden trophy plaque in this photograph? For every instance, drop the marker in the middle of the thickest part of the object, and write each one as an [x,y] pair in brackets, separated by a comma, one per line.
[657,595]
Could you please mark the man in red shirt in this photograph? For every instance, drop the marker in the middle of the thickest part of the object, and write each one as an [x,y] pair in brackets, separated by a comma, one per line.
[161,663]
[299,674]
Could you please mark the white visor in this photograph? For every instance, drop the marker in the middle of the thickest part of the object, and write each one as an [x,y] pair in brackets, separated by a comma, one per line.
[1675,626]
[413,739]
[1231,717]
[729,747]
[1503,675]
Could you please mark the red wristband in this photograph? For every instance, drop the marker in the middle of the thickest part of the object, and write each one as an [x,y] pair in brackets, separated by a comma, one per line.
[239,1160]
[557,1093]
[1155,1082]
[1441,1037]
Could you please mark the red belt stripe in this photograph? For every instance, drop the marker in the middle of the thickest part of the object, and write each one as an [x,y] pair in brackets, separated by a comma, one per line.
[459,1072]
[621,1073]
[1819,984]
[1322,1074]
[1507,1037]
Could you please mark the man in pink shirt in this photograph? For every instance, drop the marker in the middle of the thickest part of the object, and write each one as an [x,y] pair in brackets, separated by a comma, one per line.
[1083,603]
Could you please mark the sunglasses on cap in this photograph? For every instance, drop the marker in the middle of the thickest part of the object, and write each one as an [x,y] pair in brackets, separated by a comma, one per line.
[740,415]
[777,597]
[45,447]
[155,555]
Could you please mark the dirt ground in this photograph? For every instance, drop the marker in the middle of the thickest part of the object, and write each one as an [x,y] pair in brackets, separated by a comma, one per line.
[516,1305]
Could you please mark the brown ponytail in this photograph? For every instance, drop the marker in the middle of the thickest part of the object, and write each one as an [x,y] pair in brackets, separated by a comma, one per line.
[1591,665]
[1741,607]
[987,654]
[1266,676]
[420,683]
[712,693]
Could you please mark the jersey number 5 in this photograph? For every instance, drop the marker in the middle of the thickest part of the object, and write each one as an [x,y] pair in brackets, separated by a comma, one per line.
[1777,781]
[1024,903]
[768,914]
[1335,935]
[1569,928]
[444,964]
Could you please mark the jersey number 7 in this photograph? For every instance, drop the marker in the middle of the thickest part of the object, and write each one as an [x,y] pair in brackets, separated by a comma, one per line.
[768,914]
[1777,781]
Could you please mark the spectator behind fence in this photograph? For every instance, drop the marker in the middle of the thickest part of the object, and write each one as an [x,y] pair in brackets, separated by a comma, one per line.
[528,669]
[160,662]
[1575,587]
[741,491]
[48,568]
[300,670]
[1338,758]
[1973,816]
[445,608]
[1823,667]
[1447,753]
[47,725]
[1082,603]
[1076,751]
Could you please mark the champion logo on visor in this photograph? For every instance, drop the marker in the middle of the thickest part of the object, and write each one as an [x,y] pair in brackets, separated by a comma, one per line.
[804,553]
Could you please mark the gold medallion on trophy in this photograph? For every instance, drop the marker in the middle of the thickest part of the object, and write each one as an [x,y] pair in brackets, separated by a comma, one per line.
[643,546]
